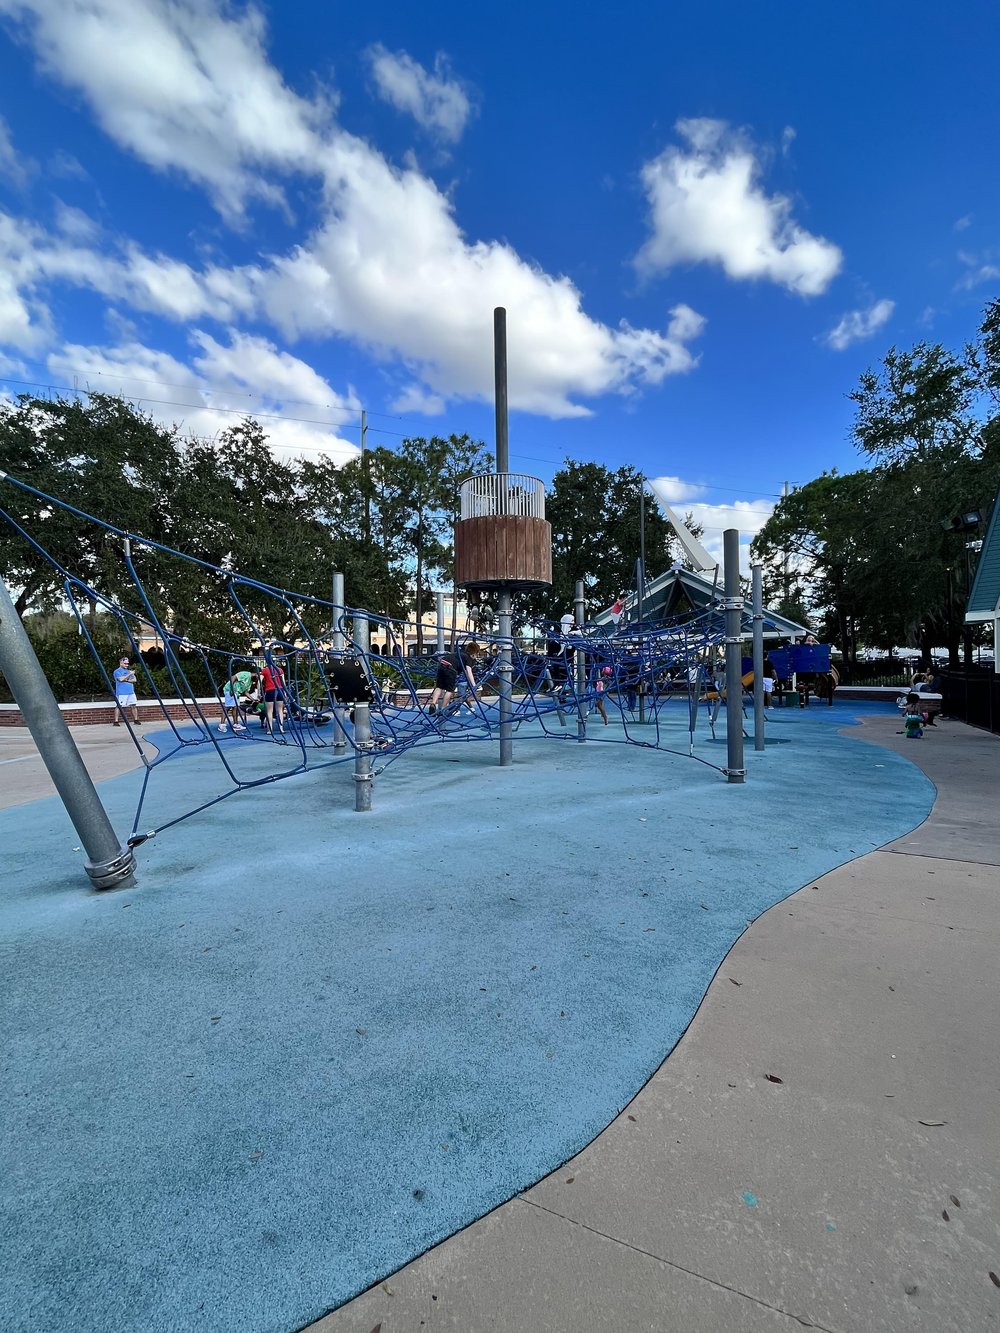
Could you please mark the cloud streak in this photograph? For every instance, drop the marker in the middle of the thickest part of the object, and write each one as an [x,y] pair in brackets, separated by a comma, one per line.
[857,325]
[437,102]
[221,383]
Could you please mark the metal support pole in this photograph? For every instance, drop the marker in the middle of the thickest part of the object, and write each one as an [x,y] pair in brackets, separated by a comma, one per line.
[362,758]
[337,634]
[439,615]
[500,385]
[506,685]
[758,657]
[359,633]
[337,644]
[580,664]
[641,581]
[110,864]
[504,599]
[735,772]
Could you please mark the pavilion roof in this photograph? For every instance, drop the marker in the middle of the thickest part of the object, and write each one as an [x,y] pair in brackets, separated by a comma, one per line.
[679,590]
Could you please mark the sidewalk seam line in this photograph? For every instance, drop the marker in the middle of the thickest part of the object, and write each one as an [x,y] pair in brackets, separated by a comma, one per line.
[932,856]
[669,1263]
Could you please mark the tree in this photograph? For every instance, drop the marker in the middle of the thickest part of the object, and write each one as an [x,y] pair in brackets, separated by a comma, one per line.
[102,457]
[629,506]
[917,403]
[873,551]
[595,516]
[812,551]
[464,458]
[917,418]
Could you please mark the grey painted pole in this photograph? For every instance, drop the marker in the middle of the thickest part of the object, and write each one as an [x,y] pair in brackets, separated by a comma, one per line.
[641,684]
[758,657]
[580,615]
[500,382]
[439,613]
[362,758]
[506,683]
[504,600]
[110,865]
[337,644]
[359,633]
[735,772]
[338,611]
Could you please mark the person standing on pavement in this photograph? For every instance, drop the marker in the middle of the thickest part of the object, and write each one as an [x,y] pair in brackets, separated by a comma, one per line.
[272,680]
[125,697]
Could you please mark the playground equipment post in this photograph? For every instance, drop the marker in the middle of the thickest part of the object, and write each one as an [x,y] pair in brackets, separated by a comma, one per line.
[504,598]
[735,772]
[110,865]
[337,644]
[362,758]
[758,656]
[580,615]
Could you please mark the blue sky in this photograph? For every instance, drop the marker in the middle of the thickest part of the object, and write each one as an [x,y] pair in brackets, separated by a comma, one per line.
[704,221]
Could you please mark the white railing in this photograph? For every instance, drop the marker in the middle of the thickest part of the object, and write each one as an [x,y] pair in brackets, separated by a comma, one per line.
[496,493]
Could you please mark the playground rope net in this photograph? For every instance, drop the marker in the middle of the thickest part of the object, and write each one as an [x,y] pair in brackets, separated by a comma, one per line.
[311,661]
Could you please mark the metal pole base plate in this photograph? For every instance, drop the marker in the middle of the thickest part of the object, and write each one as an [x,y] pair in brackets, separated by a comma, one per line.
[118,873]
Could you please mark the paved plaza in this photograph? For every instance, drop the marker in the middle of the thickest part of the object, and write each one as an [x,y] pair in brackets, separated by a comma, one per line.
[312,1044]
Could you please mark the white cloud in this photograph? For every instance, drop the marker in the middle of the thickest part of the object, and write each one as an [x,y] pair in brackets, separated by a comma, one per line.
[64,166]
[962,223]
[978,269]
[187,87]
[183,85]
[35,259]
[13,169]
[75,225]
[24,324]
[707,206]
[299,411]
[415,399]
[391,268]
[676,491]
[857,325]
[437,102]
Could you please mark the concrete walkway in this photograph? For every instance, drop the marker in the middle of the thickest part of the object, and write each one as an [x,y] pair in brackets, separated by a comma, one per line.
[821,1150]
[107,751]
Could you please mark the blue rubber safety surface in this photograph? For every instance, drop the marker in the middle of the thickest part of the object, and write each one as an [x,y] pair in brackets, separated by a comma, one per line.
[313,1043]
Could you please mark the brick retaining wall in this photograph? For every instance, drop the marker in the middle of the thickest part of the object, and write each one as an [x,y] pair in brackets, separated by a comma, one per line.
[78,715]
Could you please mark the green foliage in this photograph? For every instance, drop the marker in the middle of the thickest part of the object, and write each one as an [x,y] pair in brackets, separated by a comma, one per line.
[919,402]
[871,552]
[66,657]
[595,516]
[384,520]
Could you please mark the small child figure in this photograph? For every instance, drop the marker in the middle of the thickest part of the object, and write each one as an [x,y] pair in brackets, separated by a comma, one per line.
[603,680]
[913,719]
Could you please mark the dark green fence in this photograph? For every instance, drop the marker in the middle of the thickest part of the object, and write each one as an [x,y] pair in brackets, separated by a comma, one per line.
[972,697]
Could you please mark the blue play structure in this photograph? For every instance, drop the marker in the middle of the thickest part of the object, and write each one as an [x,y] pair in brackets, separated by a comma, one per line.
[800,659]
[648,684]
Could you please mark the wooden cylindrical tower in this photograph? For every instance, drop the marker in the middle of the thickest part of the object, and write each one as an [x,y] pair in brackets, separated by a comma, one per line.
[503,539]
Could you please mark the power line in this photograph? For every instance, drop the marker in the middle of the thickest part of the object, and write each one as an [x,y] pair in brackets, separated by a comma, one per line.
[137,399]
[207,388]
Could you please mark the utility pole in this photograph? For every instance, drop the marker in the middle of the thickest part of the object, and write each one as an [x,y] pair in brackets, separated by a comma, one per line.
[367,472]
[735,771]
[504,603]
[641,608]
[784,564]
